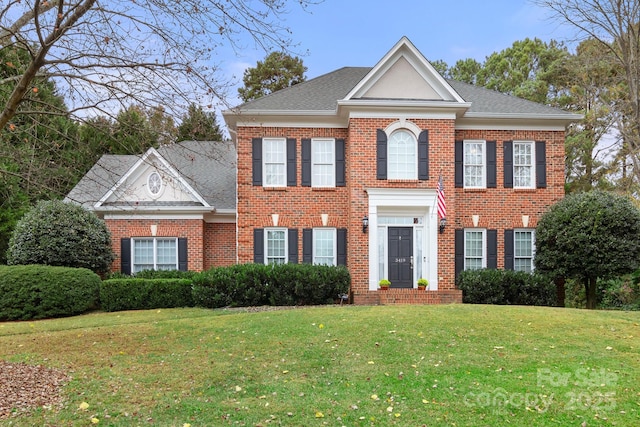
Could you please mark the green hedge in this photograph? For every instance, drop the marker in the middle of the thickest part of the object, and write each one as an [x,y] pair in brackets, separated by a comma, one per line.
[256,284]
[490,286]
[144,294]
[39,291]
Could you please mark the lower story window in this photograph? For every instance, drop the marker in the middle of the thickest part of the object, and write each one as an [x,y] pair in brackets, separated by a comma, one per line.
[276,246]
[155,254]
[524,242]
[474,254]
[324,246]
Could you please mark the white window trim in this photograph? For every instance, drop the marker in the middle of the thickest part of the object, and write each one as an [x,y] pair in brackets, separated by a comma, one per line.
[333,162]
[533,164]
[155,250]
[159,192]
[283,141]
[484,245]
[335,244]
[483,174]
[266,243]
[533,246]
[415,155]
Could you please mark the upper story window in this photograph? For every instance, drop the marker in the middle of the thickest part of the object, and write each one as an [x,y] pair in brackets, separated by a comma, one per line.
[523,164]
[474,164]
[323,162]
[474,249]
[275,162]
[402,155]
[524,250]
[154,183]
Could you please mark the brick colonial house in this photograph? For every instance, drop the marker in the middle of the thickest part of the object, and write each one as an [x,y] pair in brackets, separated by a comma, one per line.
[345,169]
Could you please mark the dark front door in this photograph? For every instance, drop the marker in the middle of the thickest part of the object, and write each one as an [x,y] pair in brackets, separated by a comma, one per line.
[401,257]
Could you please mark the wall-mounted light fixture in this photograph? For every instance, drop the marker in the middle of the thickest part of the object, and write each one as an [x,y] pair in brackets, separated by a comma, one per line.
[443,224]
[365,224]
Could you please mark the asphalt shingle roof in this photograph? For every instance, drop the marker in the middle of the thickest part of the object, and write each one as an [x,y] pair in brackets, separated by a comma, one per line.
[209,167]
[322,94]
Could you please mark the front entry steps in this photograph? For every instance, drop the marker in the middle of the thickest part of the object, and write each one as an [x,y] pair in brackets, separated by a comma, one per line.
[407,296]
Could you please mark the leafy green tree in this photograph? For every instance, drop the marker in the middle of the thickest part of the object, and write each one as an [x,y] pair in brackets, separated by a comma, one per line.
[61,234]
[199,125]
[466,70]
[589,236]
[278,71]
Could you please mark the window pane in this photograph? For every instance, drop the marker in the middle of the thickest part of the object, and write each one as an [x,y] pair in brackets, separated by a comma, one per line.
[166,254]
[382,239]
[142,255]
[324,246]
[276,247]
[474,164]
[323,167]
[401,152]
[274,156]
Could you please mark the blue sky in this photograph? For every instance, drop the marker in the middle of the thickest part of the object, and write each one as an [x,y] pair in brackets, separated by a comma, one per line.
[338,33]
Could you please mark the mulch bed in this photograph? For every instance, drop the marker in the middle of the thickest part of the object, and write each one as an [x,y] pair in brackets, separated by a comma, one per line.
[24,387]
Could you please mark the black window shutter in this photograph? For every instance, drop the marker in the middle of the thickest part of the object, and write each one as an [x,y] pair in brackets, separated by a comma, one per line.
[183,258]
[307,245]
[306,162]
[509,257]
[508,164]
[492,249]
[125,256]
[258,245]
[292,179]
[381,154]
[459,164]
[256,156]
[541,164]
[342,246]
[423,155]
[459,251]
[491,164]
[293,245]
[341,176]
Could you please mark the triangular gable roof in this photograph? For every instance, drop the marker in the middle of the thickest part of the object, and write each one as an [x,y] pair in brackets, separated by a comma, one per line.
[404,73]
[142,162]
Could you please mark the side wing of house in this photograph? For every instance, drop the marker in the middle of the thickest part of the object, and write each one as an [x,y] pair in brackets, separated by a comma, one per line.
[171,208]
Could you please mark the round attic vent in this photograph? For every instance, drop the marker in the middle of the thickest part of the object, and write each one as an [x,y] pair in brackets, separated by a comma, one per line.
[154,183]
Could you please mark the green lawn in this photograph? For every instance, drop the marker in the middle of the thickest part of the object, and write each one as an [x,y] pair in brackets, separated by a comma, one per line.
[453,365]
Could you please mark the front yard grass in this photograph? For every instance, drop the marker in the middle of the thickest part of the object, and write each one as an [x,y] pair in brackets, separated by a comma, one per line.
[447,365]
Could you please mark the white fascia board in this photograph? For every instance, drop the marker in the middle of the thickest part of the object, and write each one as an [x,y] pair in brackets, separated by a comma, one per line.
[136,210]
[148,216]
[515,122]
[124,177]
[418,109]
[294,119]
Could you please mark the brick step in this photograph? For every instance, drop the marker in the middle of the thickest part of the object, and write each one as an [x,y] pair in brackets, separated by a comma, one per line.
[408,296]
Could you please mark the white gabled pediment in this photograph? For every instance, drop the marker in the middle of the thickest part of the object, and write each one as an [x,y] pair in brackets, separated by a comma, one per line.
[133,188]
[405,74]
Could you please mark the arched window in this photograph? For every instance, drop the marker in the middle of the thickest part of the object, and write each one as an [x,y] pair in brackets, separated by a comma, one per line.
[402,154]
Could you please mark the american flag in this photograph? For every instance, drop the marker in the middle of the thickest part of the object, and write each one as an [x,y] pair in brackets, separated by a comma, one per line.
[442,203]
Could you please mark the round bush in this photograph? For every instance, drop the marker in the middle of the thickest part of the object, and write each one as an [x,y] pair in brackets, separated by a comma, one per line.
[61,234]
[40,291]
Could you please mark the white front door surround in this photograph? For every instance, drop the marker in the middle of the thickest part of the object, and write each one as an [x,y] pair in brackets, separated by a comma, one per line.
[409,207]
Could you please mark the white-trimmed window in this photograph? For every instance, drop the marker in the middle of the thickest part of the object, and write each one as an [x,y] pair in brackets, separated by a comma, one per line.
[523,164]
[402,155]
[524,250]
[475,165]
[151,253]
[274,162]
[474,249]
[154,184]
[323,167]
[275,246]
[324,246]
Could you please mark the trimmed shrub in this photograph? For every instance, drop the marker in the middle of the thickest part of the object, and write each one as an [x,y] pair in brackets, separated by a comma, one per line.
[506,287]
[145,294]
[256,284]
[61,234]
[39,291]
[163,274]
